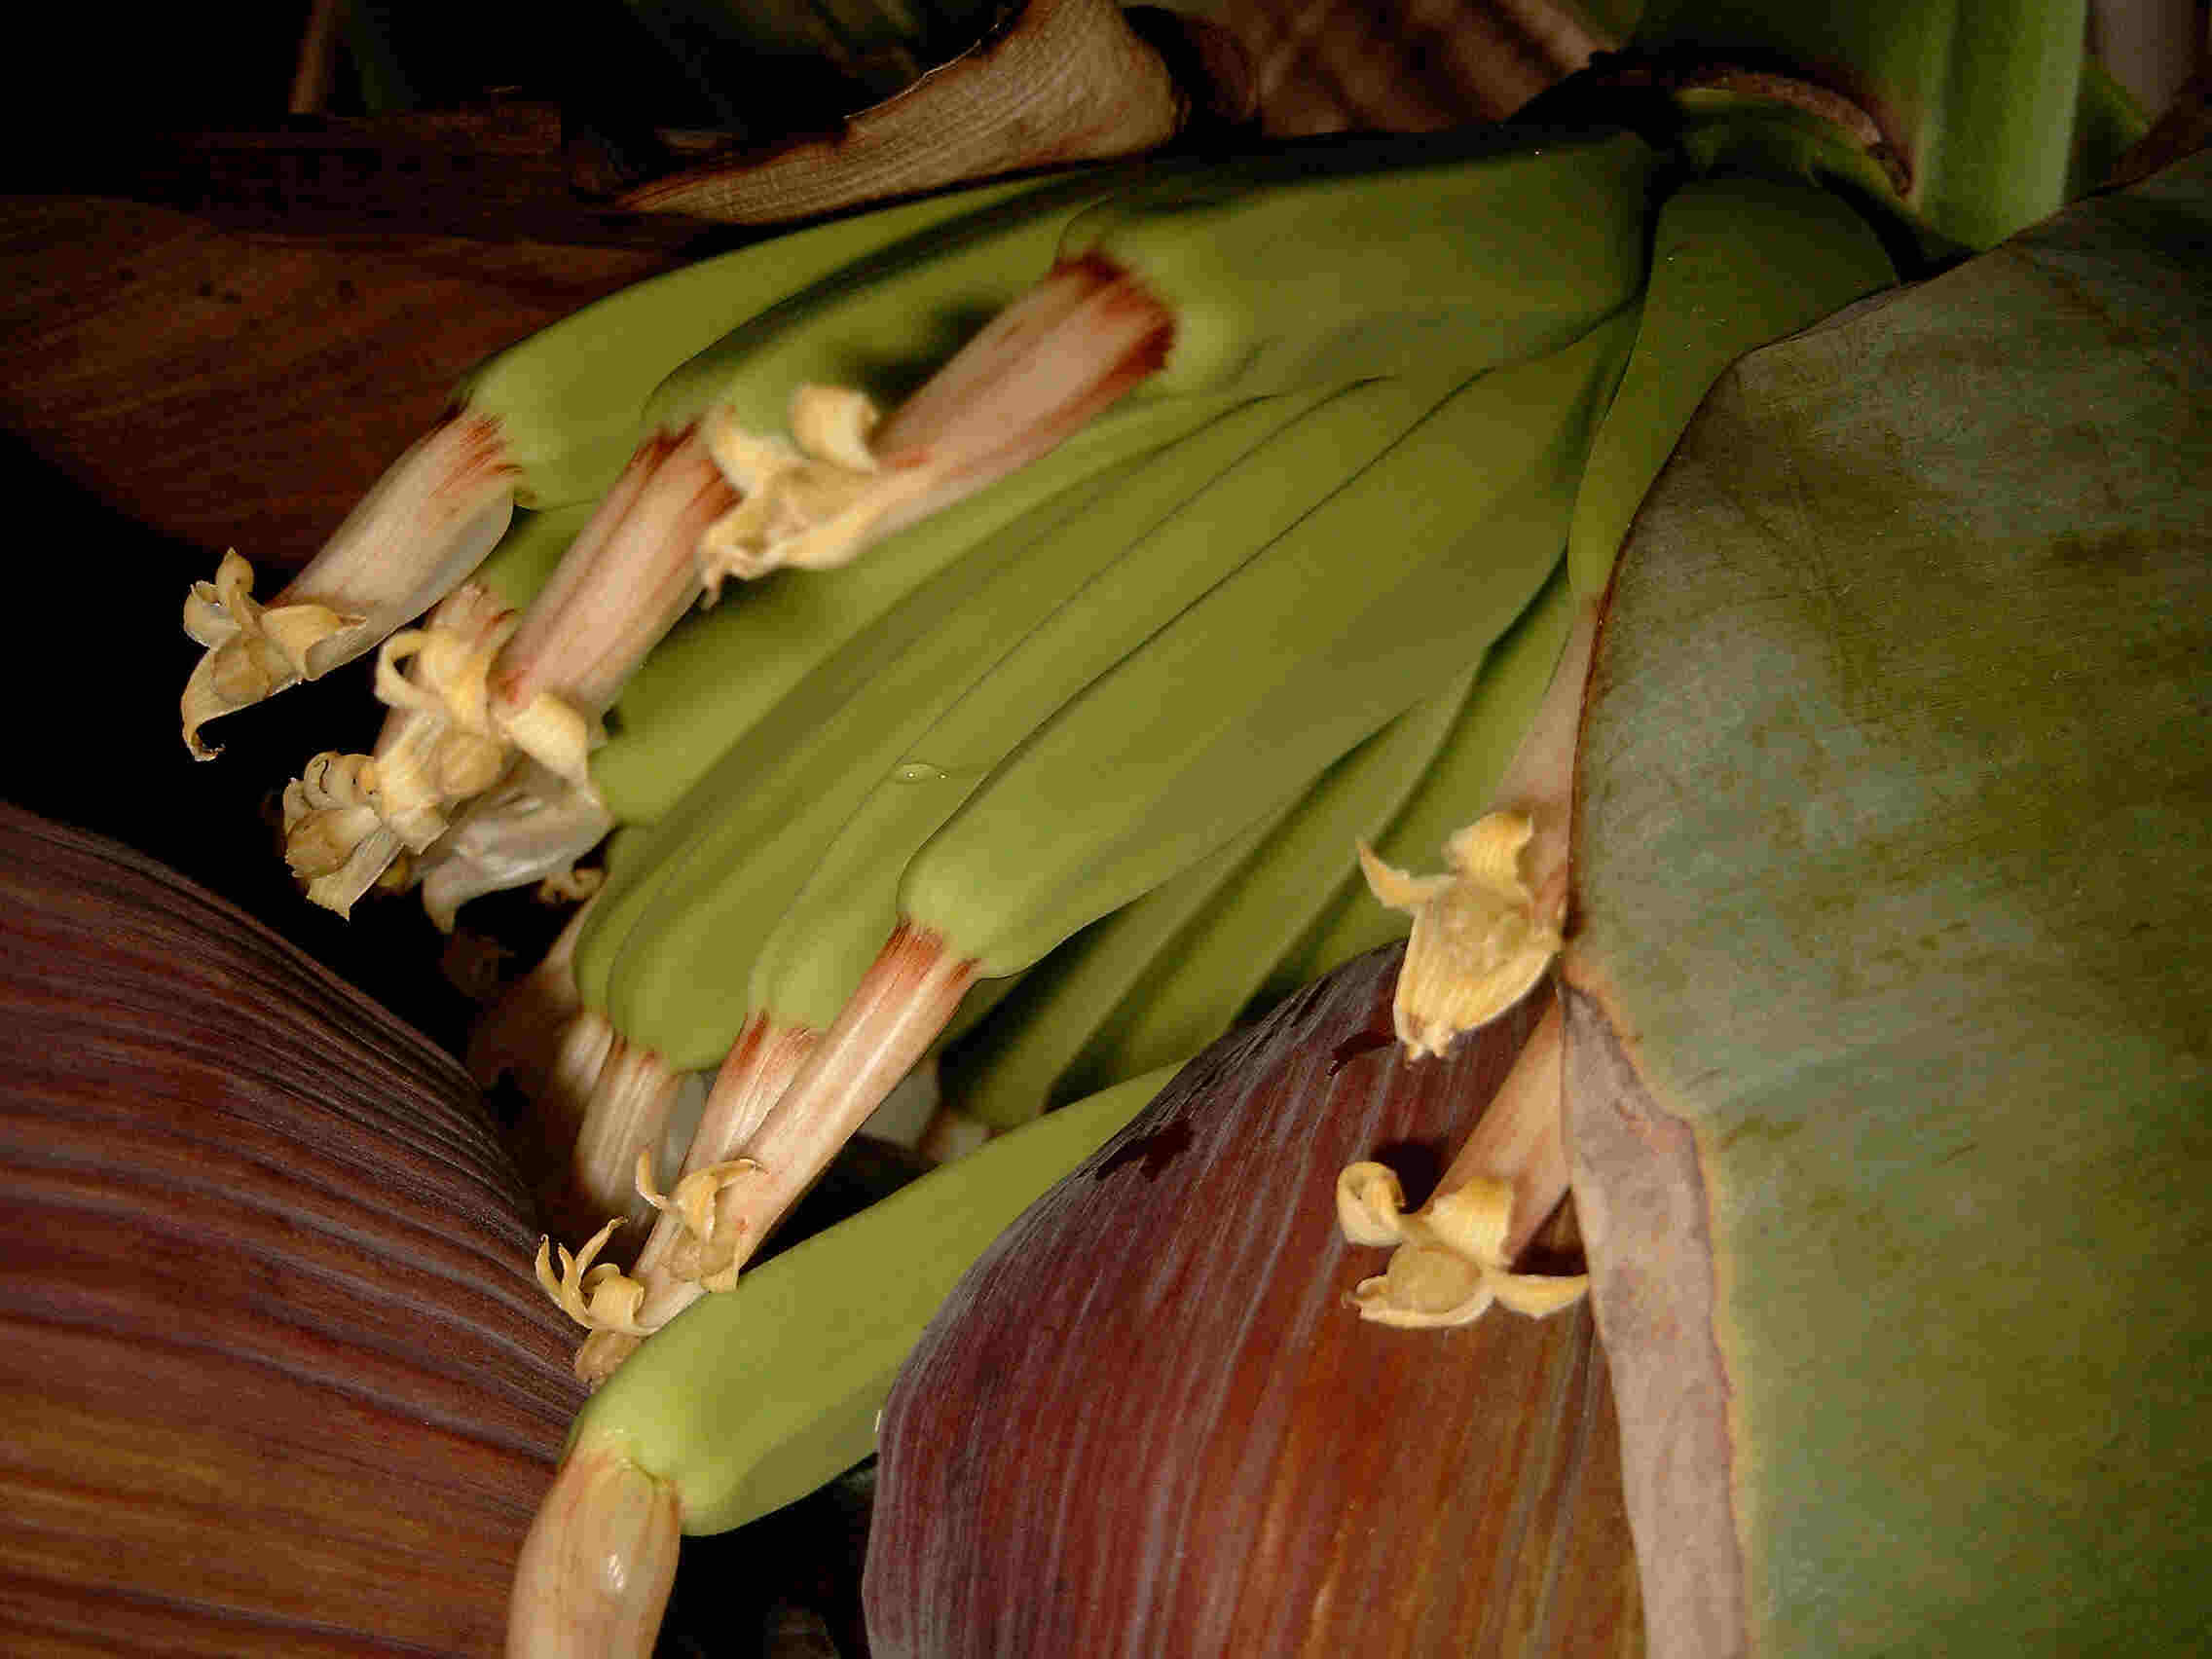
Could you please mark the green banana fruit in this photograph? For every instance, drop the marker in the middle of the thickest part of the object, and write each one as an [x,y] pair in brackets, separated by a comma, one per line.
[1311,264]
[753,1398]
[1453,793]
[1049,611]
[1215,540]
[1160,979]
[816,635]
[545,422]
[1235,560]
[1318,264]
[1281,670]
[1737,261]
[540,686]
[1254,689]
[1003,1071]
[1213,971]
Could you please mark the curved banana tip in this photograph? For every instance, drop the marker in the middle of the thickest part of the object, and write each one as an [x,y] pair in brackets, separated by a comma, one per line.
[598,1562]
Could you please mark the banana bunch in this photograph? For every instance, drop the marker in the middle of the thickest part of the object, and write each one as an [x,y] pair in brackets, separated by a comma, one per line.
[1114,554]
[1079,686]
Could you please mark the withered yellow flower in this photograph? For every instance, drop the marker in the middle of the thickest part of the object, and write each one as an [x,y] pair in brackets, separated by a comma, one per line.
[600,1297]
[809,502]
[1477,943]
[1450,1264]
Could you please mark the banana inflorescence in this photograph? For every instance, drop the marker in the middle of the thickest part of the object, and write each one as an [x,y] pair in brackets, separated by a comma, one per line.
[1108,557]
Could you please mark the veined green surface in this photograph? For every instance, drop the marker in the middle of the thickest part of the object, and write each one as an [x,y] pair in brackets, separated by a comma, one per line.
[1003,1075]
[1402,577]
[570,399]
[1340,259]
[755,1397]
[1157,980]
[1895,820]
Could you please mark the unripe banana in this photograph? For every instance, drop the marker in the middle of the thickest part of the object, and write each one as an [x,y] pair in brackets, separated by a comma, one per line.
[545,422]
[677,518]
[1246,516]
[1207,977]
[753,1398]
[1003,1071]
[1238,704]
[1277,672]
[1143,560]
[1736,261]
[1096,578]
[1459,782]
[817,634]
[1156,981]
[1316,264]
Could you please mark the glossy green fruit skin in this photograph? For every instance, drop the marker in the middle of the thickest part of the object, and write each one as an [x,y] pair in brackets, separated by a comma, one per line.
[570,399]
[1157,765]
[1336,260]
[755,1397]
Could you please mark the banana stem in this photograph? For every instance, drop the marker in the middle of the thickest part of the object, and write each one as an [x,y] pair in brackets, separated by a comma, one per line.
[1539,780]
[598,1562]
[425,524]
[1521,1137]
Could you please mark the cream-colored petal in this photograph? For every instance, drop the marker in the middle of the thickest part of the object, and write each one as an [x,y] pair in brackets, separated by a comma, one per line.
[1370,1204]
[1538,1294]
[834,424]
[748,460]
[295,630]
[1488,851]
[693,1203]
[1396,888]
[250,653]
[725,1279]
[813,504]
[1477,947]
[1425,1289]
[611,1299]
[597,1297]
[212,610]
[556,734]
[393,689]
[1470,1220]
